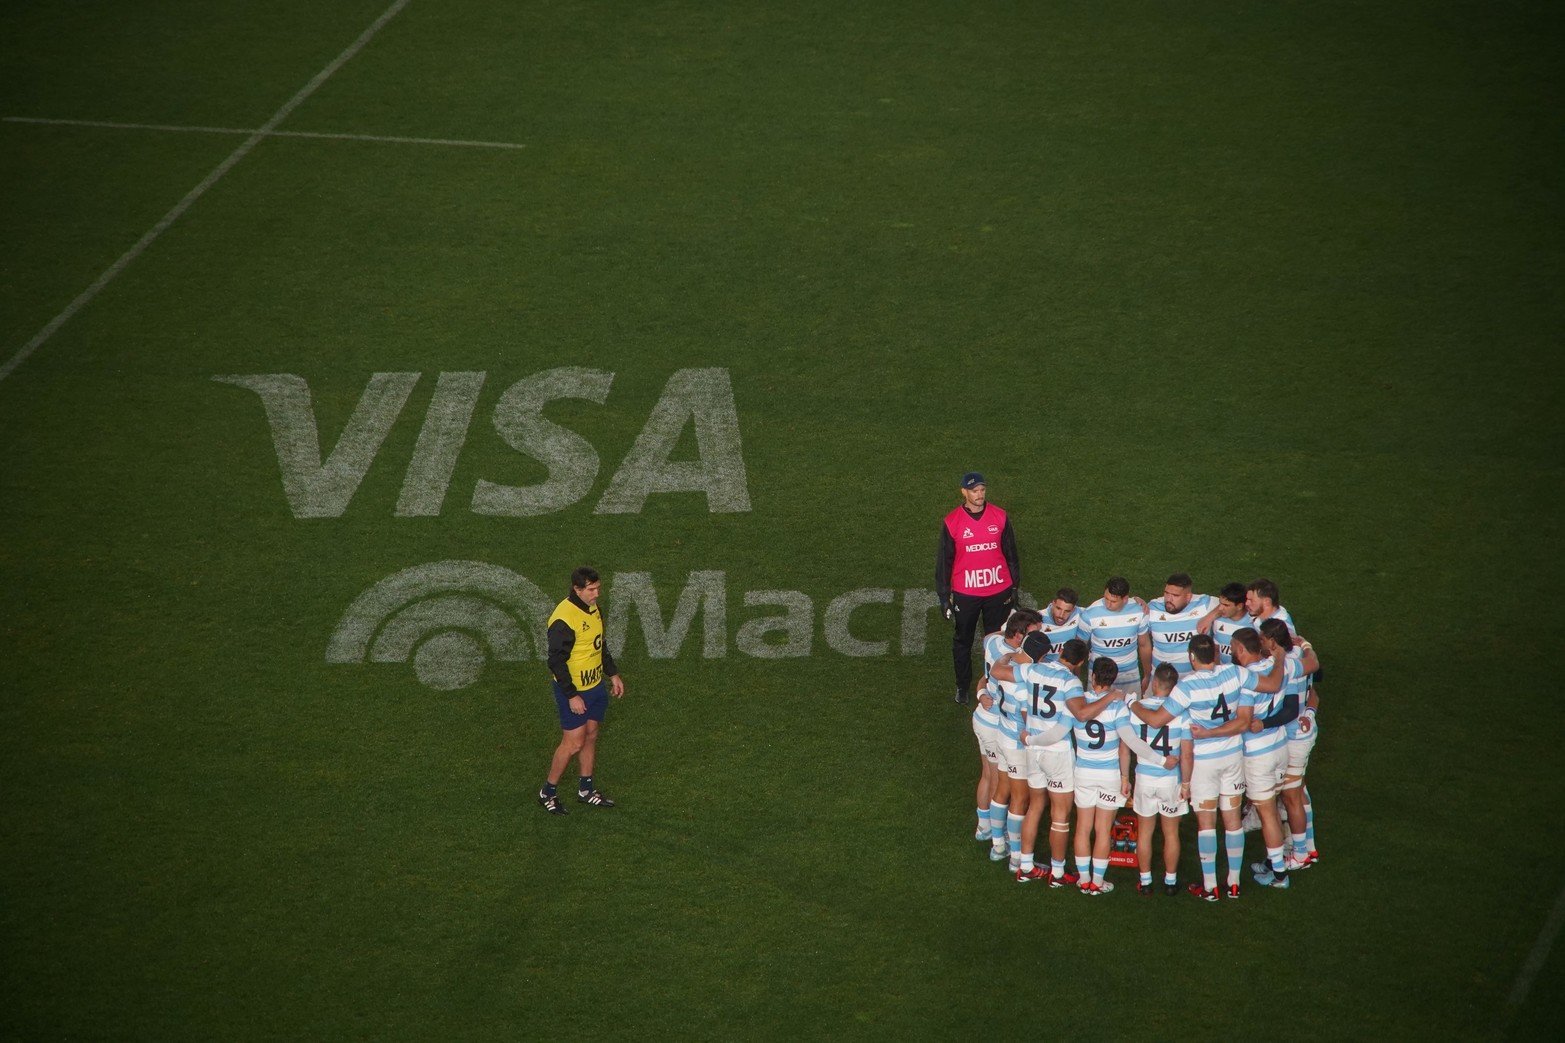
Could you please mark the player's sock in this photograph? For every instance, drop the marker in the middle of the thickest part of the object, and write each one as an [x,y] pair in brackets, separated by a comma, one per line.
[549,789]
[1013,836]
[983,820]
[1235,845]
[1274,856]
[1170,879]
[585,785]
[997,812]
[1301,846]
[1056,867]
[1206,844]
[1309,822]
[1146,879]
[1100,868]
[1084,868]
[1026,862]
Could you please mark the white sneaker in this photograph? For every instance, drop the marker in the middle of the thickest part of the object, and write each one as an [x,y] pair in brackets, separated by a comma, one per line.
[1250,821]
[997,853]
[1104,887]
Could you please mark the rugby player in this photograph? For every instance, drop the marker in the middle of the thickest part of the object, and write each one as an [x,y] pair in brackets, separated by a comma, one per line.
[1266,740]
[1210,697]
[986,725]
[1301,734]
[1162,783]
[1050,764]
[1102,773]
[1262,602]
[1011,782]
[1062,621]
[1170,623]
[1228,616]
[1112,626]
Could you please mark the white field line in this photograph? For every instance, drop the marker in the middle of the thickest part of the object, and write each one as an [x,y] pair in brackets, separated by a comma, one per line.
[265,130]
[1535,961]
[268,134]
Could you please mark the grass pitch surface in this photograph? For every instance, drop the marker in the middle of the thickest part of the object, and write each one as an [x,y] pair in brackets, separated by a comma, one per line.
[1223,289]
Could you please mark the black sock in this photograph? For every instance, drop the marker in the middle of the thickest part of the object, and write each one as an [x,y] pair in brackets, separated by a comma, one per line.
[547,791]
[585,785]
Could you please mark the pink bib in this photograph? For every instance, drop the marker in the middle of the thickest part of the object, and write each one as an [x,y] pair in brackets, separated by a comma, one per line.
[979,567]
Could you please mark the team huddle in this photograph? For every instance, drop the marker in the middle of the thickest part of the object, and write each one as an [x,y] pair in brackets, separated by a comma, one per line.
[1189,701]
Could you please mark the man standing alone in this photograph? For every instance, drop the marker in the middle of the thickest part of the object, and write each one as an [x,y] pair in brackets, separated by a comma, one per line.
[976,572]
[584,676]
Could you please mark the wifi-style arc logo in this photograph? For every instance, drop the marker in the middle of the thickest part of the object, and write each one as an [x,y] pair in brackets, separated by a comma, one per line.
[448,617]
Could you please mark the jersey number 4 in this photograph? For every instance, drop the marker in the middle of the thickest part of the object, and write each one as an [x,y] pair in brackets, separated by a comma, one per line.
[1221,710]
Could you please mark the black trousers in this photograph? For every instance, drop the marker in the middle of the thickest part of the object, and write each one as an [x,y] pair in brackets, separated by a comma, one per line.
[993,609]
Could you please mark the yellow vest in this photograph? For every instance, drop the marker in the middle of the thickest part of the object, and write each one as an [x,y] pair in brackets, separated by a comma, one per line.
[586,658]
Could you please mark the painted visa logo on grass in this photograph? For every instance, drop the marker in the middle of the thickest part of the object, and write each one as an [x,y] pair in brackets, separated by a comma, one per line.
[318,487]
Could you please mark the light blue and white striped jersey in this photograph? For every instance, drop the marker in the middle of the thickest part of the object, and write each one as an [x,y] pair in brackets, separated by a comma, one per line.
[1210,698]
[1059,633]
[1282,614]
[1165,740]
[1297,682]
[1223,631]
[1013,711]
[1265,704]
[994,648]
[1114,634]
[1048,685]
[1097,740]
[1171,631]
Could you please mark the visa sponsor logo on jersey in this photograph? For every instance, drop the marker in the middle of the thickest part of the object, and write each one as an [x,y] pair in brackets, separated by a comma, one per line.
[983,577]
[1180,638]
[1116,642]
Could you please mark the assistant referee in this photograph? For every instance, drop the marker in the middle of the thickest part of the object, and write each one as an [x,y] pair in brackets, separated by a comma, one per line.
[584,677]
[976,572]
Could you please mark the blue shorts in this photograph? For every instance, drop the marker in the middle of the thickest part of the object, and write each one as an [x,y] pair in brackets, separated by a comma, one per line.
[596,698]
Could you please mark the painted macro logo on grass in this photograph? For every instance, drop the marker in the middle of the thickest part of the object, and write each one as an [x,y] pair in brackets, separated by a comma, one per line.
[448,617]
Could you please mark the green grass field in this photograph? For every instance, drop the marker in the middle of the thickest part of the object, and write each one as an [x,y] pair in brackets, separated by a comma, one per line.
[1238,289]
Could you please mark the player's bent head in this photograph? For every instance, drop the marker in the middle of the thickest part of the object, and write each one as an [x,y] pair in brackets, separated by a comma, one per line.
[1074,652]
[1181,580]
[583,577]
[1277,632]
[1117,586]
[1068,596]
[1036,646]
[1247,639]
[1104,671]
[1021,621]
[1164,678]
[1233,593]
[1203,649]
[1266,590]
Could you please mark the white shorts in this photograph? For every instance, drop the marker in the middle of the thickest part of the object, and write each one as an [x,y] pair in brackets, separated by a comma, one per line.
[1013,759]
[1051,769]
[1219,776]
[1159,797]
[1098,788]
[988,740]
[1299,749]
[1263,773]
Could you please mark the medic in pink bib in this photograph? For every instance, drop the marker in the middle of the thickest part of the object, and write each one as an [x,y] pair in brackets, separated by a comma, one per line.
[976,572]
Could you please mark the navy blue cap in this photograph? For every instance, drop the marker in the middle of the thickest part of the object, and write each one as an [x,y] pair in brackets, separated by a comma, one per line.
[971,479]
[1036,645]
